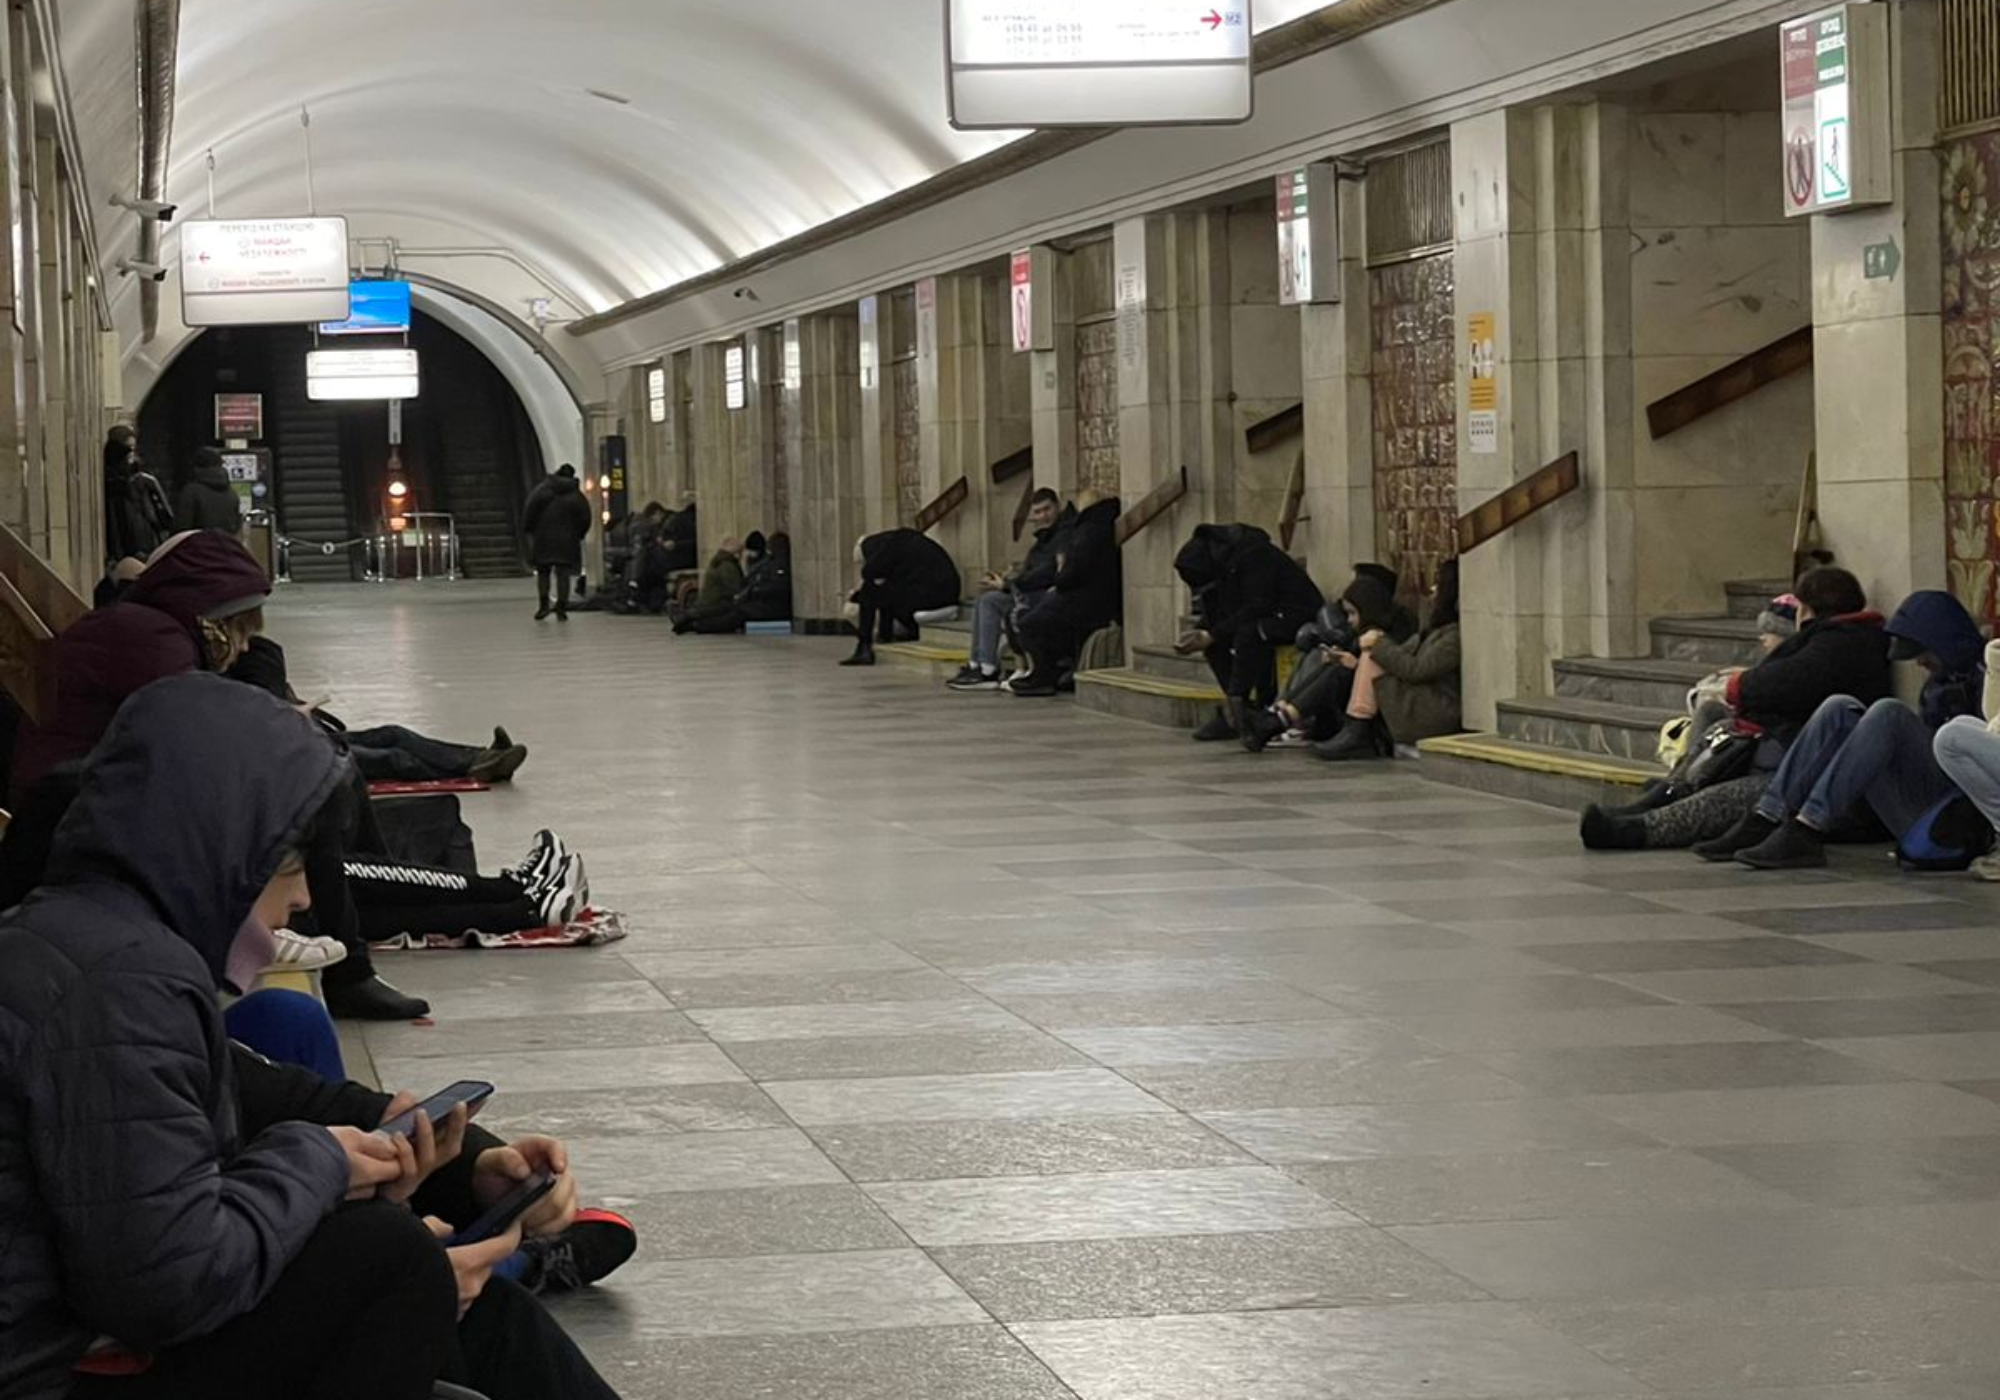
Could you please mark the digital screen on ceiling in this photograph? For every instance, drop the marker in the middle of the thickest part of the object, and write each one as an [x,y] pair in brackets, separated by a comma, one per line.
[374,308]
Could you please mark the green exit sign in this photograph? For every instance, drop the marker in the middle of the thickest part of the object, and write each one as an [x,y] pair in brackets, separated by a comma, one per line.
[1881,261]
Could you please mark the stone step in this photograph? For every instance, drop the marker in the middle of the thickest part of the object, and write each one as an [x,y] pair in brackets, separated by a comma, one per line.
[1748,597]
[1157,700]
[1531,772]
[1715,641]
[1646,682]
[939,657]
[1585,726]
[1170,665]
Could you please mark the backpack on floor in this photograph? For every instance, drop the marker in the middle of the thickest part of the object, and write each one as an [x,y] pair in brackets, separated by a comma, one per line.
[427,830]
[1950,836]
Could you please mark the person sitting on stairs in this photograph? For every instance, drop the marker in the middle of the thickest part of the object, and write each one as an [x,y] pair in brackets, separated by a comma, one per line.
[998,610]
[1841,649]
[1404,692]
[1249,598]
[903,573]
[1089,595]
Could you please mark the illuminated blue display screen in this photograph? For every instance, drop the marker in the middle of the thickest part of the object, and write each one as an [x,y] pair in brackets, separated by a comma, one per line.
[373,308]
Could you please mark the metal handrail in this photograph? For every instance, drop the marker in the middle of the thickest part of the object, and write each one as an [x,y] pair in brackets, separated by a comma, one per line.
[434,547]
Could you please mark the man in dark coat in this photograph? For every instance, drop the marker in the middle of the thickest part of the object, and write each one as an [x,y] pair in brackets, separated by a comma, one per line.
[1088,593]
[209,501]
[1250,597]
[903,573]
[556,519]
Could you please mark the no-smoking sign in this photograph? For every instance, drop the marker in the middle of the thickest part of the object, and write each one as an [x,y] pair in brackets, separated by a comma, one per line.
[1801,156]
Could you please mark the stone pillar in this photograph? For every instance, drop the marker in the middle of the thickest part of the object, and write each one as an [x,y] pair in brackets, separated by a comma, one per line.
[1142,278]
[952,409]
[600,420]
[877,438]
[716,470]
[829,507]
[1052,385]
[1878,349]
[1336,353]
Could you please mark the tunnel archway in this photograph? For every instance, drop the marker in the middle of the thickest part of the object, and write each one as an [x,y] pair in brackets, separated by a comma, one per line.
[470,444]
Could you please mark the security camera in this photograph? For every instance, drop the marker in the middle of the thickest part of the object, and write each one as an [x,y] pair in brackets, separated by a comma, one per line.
[152,272]
[744,294]
[148,208]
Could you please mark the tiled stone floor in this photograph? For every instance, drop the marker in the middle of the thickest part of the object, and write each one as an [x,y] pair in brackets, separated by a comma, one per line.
[974,1049]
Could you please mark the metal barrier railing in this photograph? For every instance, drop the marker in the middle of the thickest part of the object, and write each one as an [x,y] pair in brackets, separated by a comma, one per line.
[429,539]
[287,545]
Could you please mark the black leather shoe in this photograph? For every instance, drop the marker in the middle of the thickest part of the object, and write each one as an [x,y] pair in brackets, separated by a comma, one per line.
[542,614]
[1793,846]
[1750,830]
[1216,730]
[1602,831]
[373,1000]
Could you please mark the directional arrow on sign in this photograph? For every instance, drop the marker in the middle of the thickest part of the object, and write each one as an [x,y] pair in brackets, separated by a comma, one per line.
[1881,261]
[1213,19]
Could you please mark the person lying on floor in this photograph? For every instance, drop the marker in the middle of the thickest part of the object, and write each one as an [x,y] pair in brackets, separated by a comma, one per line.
[903,573]
[386,752]
[161,1243]
[1249,598]
[720,583]
[1841,649]
[1853,758]
[1315,700]
[1404,692]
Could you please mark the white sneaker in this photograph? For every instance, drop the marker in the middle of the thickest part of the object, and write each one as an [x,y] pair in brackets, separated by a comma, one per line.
[544,858]
[297,953]
[1987,868]
[1293,739]
[1020,675]
[565,896]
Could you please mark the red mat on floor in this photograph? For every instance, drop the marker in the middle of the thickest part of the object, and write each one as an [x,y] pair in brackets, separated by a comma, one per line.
[589,929]
[434,785]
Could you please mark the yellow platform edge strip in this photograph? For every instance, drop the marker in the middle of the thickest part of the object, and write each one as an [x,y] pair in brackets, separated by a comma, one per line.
[1490,748]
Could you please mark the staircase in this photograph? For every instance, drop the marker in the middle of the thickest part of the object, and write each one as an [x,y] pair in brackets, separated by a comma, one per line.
[1159,686]
[312,485]
[480,484]
[1594,739]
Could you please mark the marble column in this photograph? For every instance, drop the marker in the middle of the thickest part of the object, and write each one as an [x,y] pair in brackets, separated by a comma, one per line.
[1336,352]
[952,383]
[828,504]
[875,346]
[1878,348]
[1052,383]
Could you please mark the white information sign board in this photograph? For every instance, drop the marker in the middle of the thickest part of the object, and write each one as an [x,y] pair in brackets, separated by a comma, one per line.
[361,374]
[1834,68]
[1052,63]
[255,272]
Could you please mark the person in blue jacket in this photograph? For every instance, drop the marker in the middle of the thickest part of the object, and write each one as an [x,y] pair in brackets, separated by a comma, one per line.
[1853,759]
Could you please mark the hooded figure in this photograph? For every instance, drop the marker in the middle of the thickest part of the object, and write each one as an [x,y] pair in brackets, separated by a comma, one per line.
[1250,595]
[1934,627]
[129,1203]
[767,588]
[556,519]
[179,615]
[208,501]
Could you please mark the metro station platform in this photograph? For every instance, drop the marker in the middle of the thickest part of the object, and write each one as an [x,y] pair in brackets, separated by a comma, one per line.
[974,1049]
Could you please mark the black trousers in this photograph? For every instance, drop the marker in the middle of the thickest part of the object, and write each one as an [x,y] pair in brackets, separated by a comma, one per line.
[1246,662]
[393,897]
[509,1348]
[1053,631]
[543,572]
[886,607]
[368,1309]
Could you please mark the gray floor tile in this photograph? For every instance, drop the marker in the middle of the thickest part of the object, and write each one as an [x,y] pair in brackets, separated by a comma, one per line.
[1535,1185]
[1983,972]
[635,1067]
[1663,955]
[1875,1016]
[1104,1205]
[1877,918]
[1198,1274]
[548,999]
[1390,1078]
[1483,995]
[886,1056]
[1602,907]
[1892,1171]
[1229,1002]
[1633,1069]
[728,1025]
[689,1108]
[1963,1055]
[1965,1233]
[639,1165]
[733,1224]
[808,989]
[772,962]
[1464,1351]
[932,1363]
[1689,1253]
[1359,1131]
[1024,1147]
[792,1293]
[1834,1113]
[1639,1025]
[1724,987]
[516,1035]
[925,1098]
[1232,1044]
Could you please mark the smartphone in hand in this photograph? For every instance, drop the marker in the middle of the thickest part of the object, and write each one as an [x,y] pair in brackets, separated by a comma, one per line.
[470,1092]
[511,1207]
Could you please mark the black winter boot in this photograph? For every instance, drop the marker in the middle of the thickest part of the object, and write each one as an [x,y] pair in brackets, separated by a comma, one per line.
[1602,831]
[1751,829]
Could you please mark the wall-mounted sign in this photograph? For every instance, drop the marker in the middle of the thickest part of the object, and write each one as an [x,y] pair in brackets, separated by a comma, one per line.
[1482,421]
[795,358]
[361,374]
[656,394]
[257,272]
[1308,235]
[735,390]
[1044,63]
[1021,293]
[374,308]
[239,417]
[1835,67]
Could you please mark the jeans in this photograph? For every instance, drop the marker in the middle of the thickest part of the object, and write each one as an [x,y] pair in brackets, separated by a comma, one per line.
[993,616]
[1848,755]
[1970,757]
[289,1027]
[391,753]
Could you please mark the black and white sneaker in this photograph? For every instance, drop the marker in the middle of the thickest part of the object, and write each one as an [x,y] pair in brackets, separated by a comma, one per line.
[564,896]
[544,858]
[972,678]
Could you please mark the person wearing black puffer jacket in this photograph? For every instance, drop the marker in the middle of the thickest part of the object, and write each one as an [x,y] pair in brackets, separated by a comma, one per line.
[208,501]
[903,573]
[1250,597]
[1088,594]
[1841,648]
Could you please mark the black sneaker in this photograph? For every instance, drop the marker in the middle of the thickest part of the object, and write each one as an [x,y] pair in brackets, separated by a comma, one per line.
[1793,846]
[1753,829]
[372,999]
[498,765]
[1263,727]
[972,678]
[590,1249]
[1034,687]
[863,656]
[1216,730]
[545,858]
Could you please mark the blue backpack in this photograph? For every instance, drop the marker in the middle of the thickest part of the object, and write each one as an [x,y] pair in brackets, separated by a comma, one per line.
[1950,836]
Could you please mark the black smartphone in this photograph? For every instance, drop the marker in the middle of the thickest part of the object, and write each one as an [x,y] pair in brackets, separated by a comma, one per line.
[505,1211]
[470,1092]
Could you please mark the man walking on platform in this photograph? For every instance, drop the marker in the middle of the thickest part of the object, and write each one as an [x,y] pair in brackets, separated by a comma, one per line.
[555,520]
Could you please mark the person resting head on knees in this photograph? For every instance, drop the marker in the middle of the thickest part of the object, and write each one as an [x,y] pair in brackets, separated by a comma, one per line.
[903,573]
[1841,649]
[161,1243]
[1249,598]
[1007,594]
[720,583]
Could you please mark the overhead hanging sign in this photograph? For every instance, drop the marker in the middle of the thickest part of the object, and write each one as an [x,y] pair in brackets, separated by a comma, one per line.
[239,417]
[1835,67]
[1052,63]
[361,374]
[256,272]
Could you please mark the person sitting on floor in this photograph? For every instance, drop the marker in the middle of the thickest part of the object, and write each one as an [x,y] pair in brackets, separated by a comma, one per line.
[1404,692]
[766,594]
[1249,598]
[1852,757]
[1968,751]
[161,1242]
[903,573]
[720,584]
[1088,596]
[1840,649]
[997,611]
[1315,700]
